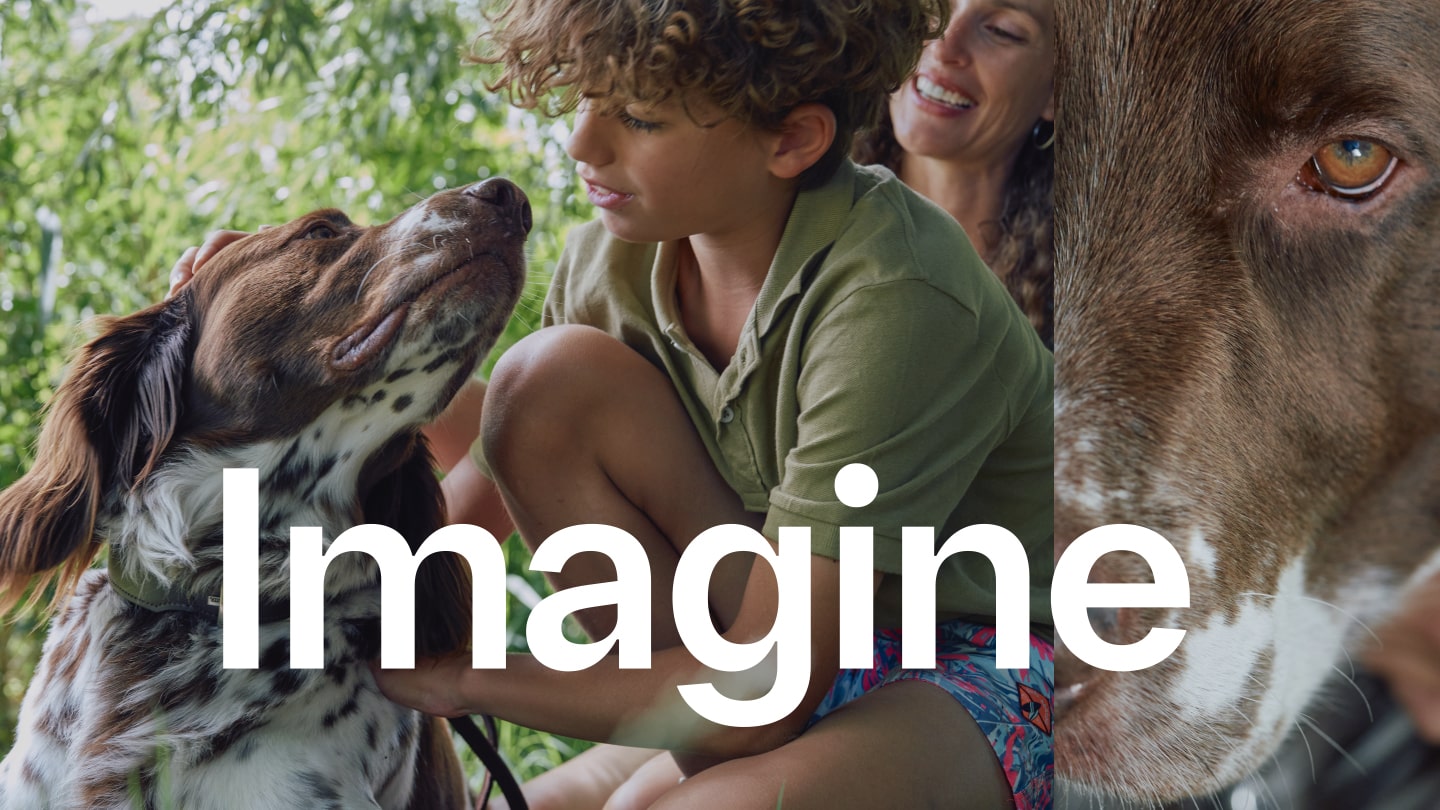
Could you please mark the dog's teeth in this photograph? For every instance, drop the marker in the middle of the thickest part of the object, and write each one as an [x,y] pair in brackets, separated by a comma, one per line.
[934,92]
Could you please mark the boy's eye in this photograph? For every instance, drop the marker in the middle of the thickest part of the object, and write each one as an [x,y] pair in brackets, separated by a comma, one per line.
[634,123]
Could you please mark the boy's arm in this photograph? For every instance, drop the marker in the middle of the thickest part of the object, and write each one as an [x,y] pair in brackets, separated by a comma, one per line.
[639,707]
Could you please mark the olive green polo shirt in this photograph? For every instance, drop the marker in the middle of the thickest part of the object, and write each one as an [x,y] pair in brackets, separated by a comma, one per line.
[879,337]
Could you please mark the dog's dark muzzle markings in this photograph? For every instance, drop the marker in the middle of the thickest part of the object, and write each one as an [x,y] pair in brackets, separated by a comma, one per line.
[313,352]
[1246,355]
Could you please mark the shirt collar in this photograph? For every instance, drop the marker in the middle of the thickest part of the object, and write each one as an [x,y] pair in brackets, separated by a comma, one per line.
[816,221]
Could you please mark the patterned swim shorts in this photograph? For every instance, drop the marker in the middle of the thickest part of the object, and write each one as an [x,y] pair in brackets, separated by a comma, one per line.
[1011,706]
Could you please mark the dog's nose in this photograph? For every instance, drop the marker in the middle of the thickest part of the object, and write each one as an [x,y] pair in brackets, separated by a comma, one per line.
[506,196]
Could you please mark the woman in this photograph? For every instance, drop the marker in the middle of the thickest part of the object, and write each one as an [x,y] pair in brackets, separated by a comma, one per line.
[973,129]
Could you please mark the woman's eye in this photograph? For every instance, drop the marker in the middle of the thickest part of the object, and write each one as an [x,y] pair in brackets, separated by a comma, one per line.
[320,231]
[1351,169]
[1006,34]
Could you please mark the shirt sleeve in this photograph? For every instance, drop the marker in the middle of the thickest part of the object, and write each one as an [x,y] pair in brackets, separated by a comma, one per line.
[897,377]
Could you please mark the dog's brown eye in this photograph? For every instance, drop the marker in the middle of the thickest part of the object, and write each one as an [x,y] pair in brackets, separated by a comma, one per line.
[319,231]
[1350,169]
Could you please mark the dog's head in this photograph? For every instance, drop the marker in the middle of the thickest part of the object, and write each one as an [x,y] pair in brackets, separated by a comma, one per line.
[1248,212]
[313,351]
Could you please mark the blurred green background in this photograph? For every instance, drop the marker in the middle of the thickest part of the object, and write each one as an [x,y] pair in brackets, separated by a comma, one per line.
[129,129]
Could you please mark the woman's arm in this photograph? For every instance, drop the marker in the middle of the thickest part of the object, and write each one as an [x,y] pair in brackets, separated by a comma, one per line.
[470,496]
[637,706]
[455,429]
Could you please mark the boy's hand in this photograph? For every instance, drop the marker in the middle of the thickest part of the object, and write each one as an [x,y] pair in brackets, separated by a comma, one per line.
[433,686]
[193,258]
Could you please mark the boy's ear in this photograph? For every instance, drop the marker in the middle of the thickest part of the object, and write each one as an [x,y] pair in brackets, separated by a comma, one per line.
[805,135]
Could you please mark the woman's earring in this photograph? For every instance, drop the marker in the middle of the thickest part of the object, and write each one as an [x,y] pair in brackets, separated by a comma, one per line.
[1036,137]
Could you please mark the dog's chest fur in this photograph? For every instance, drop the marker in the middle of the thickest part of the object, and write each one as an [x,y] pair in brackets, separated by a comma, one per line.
[181,729]
[185,731]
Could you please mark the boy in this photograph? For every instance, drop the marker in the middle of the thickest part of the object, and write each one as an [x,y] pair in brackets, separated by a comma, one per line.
[750,314]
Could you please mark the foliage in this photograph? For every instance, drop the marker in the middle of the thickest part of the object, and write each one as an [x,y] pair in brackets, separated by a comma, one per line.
[124,142]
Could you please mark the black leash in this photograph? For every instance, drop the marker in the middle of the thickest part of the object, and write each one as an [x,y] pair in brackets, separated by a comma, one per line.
[496,771]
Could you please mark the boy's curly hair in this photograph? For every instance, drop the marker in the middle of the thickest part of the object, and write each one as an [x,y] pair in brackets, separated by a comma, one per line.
[756,60]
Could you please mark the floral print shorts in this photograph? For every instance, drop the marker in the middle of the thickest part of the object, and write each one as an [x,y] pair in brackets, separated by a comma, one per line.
[1013,707]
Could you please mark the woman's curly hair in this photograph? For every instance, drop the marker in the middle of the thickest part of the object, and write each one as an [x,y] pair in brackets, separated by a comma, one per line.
[755,60]
[1024,257]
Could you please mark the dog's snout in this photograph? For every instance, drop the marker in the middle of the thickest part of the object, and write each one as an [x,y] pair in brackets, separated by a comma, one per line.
[506,196]
[497,191]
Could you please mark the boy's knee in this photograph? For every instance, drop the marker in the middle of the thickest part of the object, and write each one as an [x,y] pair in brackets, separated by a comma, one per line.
[552,358]
[548,389]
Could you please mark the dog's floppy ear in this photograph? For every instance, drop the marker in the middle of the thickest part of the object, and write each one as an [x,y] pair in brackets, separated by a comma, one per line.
[106,427]
[408,499]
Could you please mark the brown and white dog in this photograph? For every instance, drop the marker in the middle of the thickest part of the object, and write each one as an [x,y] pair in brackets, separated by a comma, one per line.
[314,352]
[1248,349]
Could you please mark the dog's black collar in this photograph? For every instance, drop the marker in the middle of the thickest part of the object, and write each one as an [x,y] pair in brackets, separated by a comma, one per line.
[146,591]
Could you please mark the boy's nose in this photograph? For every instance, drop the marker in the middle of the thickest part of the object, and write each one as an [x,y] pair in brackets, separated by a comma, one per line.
[586,143]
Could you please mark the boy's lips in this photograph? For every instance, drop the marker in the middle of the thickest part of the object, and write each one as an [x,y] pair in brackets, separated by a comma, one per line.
[606,197]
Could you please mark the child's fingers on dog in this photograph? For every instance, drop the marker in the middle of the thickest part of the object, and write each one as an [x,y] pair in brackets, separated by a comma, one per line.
[183,270]
[432,686]
[218,241]
[194,258]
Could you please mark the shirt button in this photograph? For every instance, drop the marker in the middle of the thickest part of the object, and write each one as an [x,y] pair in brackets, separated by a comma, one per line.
[727,414]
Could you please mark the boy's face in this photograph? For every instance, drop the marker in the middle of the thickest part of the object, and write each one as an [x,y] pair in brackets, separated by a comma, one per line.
[981,87]
[657,175]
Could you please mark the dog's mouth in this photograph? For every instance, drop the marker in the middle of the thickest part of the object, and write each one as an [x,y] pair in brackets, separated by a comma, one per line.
[367,342]
[360,347]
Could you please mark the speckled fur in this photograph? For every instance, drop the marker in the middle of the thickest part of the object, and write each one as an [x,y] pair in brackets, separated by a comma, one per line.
[256,365]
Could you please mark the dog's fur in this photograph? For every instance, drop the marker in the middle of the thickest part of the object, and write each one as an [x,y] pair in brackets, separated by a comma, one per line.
[314,352]
[1245,364]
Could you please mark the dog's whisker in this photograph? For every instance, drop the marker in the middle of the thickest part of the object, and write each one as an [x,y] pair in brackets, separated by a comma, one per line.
[398,252]
[1314,774]
[1339,749]
[1343,612]
[1350,679]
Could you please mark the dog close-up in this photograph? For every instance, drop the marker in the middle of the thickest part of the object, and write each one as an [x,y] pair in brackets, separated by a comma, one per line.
[1248,301]
[313,352]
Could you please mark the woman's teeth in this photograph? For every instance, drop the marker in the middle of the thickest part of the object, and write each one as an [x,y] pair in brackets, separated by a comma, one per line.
[933,92]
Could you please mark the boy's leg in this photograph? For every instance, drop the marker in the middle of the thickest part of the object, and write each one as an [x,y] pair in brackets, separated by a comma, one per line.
[579,428]
[906,744]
